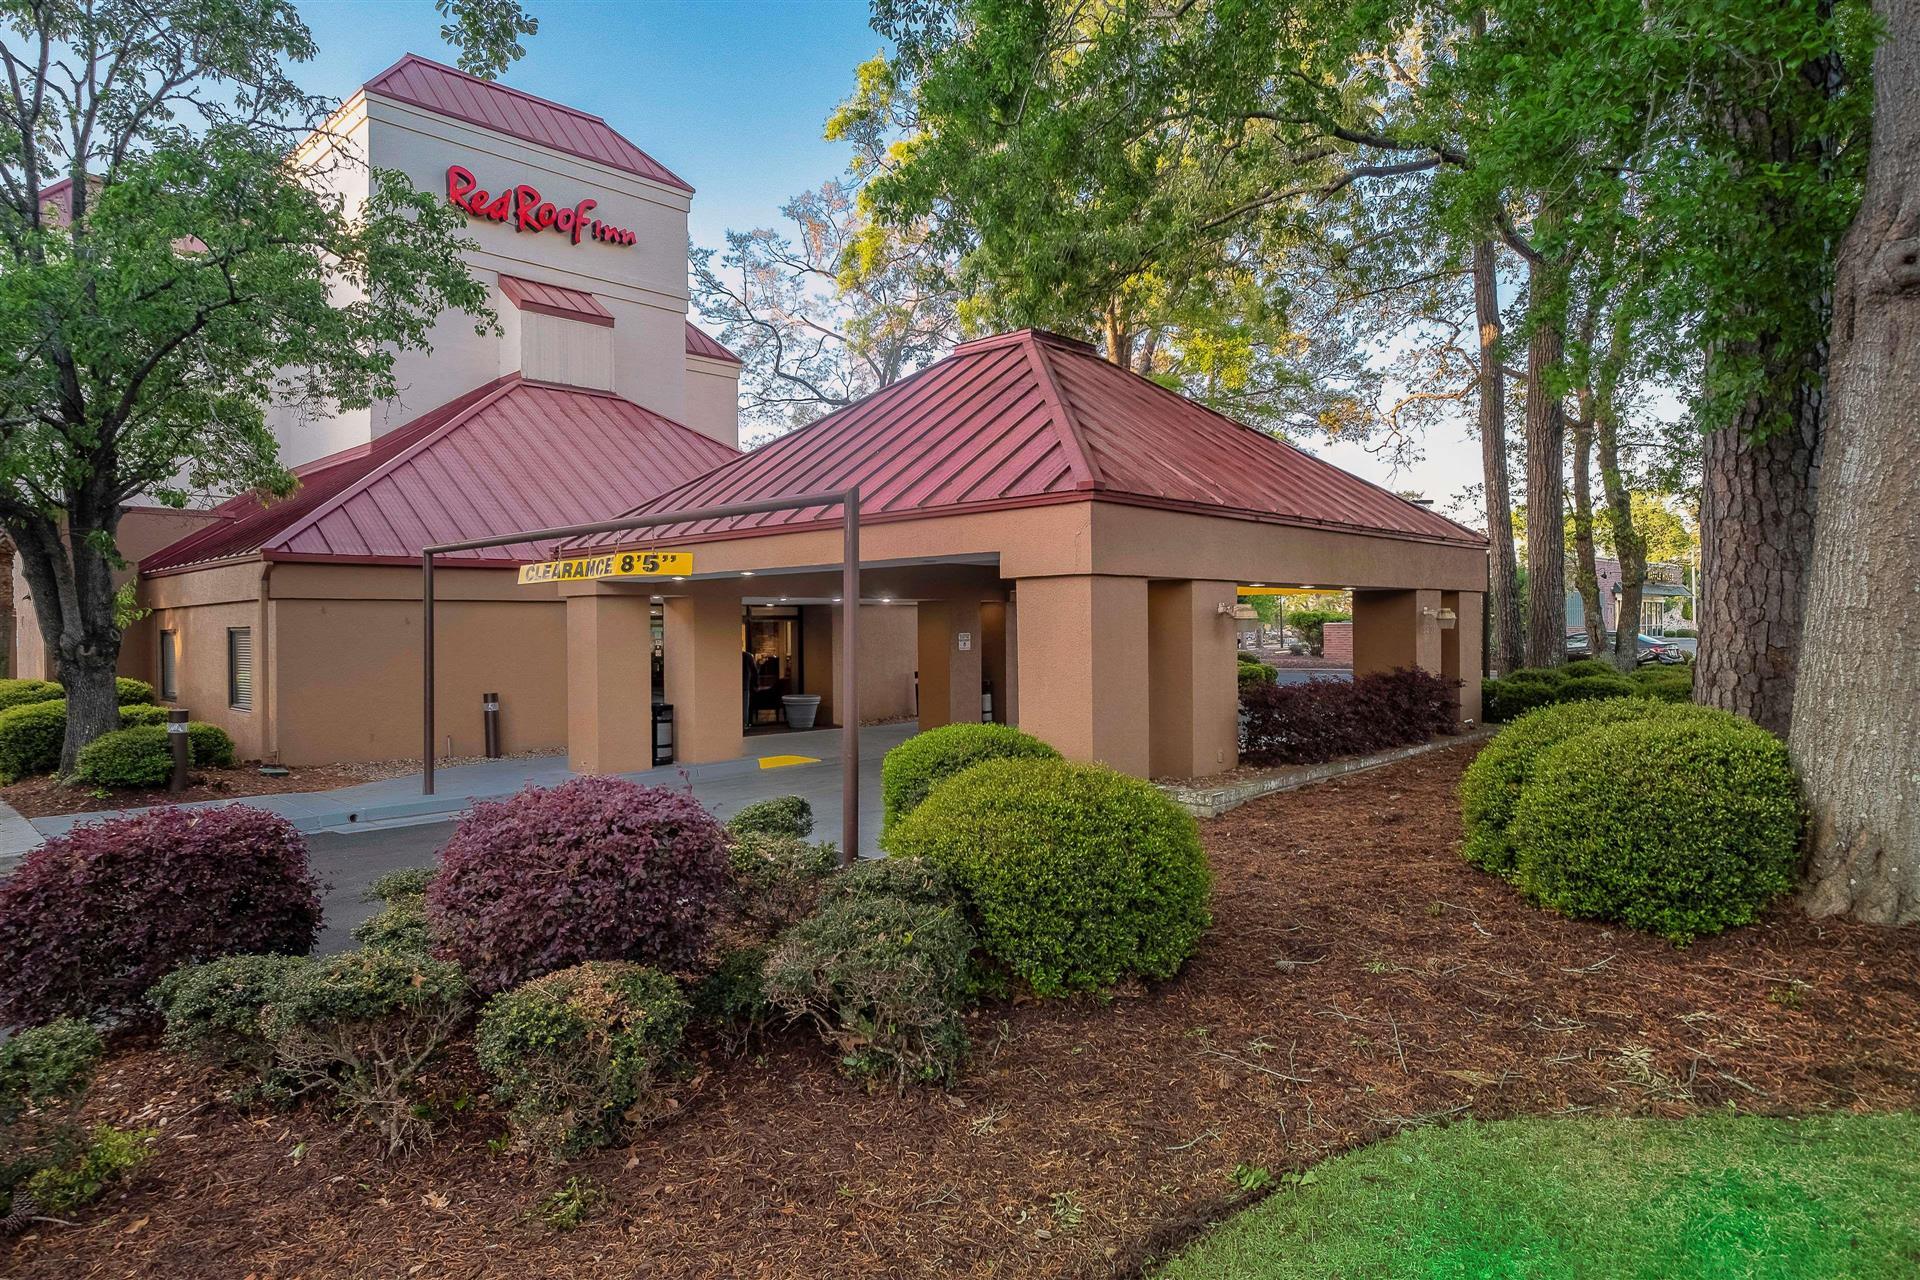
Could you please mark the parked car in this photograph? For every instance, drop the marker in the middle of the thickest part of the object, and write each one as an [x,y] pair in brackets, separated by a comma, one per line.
[1647,649]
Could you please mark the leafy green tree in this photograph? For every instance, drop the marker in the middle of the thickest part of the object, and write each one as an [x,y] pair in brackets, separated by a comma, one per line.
[168,274]
[827,312]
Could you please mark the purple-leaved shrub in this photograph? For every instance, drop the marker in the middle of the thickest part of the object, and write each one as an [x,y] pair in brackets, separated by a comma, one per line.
[1326,719]
[593,869]
[94,918]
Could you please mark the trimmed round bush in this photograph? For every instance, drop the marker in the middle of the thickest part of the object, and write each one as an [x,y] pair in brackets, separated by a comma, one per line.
[731,1001]
[883,980]
[142,756]
[19,693]
[31,735]
[1257,673]
[1587,667]
[593,869]
[923,761]
[142,713]
[576,1051]
[910,879]
[776,877]
[94,918]
[789,816]
[1665,683]
[1493,782]
[1076,876]
[1508,697]
[213,1010]
[131,692]
[364,1026]
[1595,688]
[1679,826]
[1537,675]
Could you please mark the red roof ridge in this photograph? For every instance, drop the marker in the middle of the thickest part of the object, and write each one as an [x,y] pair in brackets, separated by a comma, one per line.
[1086,472]
[540,121]
[1270,438]
[499,387]
[410,58]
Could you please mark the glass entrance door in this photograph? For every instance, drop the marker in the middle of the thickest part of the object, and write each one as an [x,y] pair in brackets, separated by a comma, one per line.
[770,664]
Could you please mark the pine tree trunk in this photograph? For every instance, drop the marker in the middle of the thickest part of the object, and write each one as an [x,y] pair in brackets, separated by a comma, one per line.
[1546,473]
[1756,535]
[1856,710]
[1628,546]
[1505,642]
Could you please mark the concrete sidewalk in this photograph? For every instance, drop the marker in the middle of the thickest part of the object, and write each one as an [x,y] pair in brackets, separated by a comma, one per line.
[776,764]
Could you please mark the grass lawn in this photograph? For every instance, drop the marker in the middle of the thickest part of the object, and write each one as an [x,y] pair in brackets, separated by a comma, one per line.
[1710,1197]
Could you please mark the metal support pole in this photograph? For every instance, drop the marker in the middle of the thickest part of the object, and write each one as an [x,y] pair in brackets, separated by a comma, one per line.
[490,723]
[426,660]
[182,747]
[850,680]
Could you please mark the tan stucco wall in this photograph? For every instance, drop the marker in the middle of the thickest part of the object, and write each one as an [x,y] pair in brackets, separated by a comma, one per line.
[888,640]
[337,658]
[1081,654]
[713,399]
[1192,679]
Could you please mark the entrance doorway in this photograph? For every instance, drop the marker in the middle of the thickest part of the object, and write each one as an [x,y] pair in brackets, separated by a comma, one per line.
[771,663]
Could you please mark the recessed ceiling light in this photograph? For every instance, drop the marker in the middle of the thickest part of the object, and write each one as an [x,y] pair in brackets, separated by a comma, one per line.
[679,579]
[746,573]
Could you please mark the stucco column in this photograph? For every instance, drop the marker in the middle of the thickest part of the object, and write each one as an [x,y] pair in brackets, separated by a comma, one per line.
[1460,648]
[1396,629]
[705,682]
[609,701]
[949,662]
[1192,682]
[1081,664]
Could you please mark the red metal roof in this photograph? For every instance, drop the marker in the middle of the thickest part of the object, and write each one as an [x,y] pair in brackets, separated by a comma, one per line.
[506,456]
[445,91]
[555,300]
[1026,418]
[701,344]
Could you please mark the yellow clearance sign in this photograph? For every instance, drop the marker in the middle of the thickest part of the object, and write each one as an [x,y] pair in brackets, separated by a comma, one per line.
[621,564]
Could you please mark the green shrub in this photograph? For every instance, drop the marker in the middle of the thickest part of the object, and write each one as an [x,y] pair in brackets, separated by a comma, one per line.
[132,693]
[363,1026]
[917,765]
[1509,697]
[789,816]
[731,1002]
[409,882]
[48,1068]
[912,879]
[577,1052]
[19,693]
[108,1156]
[401,925]
[210,746]
[884,981]
[44,1075]
[777,877]
[1255,673]
[1588,667]
[214,1010]
[142,713]
[1665,683]
[1680,826]
[1538,675]
[1596,688]
[142,756]
[31,735]
[1075,875]
[1493,782]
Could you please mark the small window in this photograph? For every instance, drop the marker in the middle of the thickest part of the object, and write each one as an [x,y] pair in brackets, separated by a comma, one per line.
[240,668]
[169,654]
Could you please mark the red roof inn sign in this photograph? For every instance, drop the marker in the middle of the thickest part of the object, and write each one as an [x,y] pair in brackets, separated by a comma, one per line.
[522,206]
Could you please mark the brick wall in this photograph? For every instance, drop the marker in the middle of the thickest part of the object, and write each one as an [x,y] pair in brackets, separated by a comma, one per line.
[1338,642]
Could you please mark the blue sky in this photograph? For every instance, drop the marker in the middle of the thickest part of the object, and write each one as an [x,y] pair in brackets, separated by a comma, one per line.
[729,94]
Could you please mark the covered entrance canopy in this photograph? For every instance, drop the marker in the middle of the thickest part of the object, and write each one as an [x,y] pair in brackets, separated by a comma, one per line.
[1071,533]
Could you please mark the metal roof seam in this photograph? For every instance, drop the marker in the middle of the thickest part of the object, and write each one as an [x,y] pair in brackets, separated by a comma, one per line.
[1078,455]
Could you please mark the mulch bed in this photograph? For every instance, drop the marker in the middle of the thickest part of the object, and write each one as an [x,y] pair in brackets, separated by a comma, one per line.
[1359,979]
[44,797]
